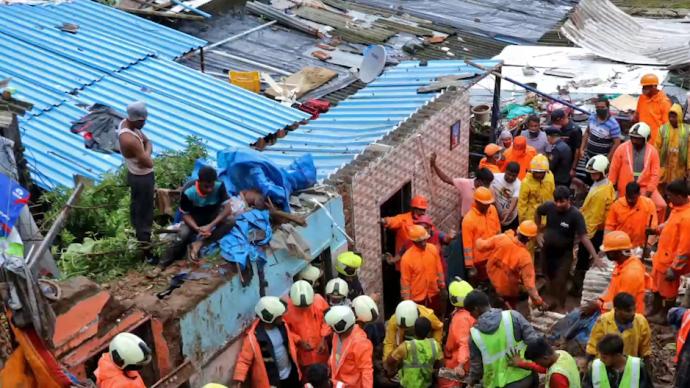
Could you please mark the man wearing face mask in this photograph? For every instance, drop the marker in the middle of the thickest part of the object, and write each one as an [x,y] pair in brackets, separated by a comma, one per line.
[652,106]
[602,137]
[571,133]
[535,136]
[637,160]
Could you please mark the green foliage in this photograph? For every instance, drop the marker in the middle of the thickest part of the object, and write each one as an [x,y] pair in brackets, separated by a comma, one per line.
[97,240]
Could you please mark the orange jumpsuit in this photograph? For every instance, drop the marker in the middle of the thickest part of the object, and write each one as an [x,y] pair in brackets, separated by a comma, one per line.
[108,375]
[654,112]
[630,277]
[353,365]
[250,361]
[307,324]
[476,225]
[672,252]
[632,220]
[400,224]
[421,273]
[457,350]
[494,168]
[523,154]
[510,264]
[621,173]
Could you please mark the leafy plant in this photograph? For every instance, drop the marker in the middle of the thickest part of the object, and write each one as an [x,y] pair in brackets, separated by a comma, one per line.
[98,240]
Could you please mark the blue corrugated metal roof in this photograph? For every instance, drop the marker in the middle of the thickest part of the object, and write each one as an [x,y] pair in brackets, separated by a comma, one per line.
[338,136]
[116,58]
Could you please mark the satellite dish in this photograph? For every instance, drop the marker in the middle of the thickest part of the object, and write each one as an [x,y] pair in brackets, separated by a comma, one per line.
[373,63]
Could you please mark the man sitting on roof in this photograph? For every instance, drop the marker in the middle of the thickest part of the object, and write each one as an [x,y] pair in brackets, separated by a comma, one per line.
[205,207]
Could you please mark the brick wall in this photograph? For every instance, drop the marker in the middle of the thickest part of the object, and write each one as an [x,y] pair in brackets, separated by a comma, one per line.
[408,160]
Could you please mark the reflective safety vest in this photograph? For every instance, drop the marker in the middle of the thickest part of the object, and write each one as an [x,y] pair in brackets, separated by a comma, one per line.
[418,367]
[631,374]
[682,333]
[494,348]
[567,367]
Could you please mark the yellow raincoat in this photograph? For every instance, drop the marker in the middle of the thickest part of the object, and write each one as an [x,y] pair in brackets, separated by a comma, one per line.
[672,144]
[596,206]
[533,193]
[395,335]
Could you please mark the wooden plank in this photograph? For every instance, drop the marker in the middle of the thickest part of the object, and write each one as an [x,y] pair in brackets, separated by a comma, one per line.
[305,80]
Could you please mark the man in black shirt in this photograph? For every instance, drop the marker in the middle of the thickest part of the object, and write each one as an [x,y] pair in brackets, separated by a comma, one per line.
[205,208]
[565,227]
[571,132]
[560,158]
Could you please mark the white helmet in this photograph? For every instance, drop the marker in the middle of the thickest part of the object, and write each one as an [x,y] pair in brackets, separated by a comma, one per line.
[269,308]
[640,129]
[340,318]
[597,163]
[129,351]
[365,308]
[338,287]
[406,313]
[302,294]
[310,274]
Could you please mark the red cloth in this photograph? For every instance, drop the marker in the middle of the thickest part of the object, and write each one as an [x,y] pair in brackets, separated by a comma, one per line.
[557,380]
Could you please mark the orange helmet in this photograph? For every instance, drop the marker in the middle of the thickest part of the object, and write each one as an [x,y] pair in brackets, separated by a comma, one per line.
[649,80]
[528,228]
[616,241]
[483,195]
[417,233]
[491,149]
[419,202]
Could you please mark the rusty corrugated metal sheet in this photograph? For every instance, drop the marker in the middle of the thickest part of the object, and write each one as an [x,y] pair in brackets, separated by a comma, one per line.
[607,31]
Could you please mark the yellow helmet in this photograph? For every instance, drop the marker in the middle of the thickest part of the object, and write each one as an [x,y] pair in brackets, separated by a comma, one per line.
[214,385]
[539,163]
[457,291]
[348,263]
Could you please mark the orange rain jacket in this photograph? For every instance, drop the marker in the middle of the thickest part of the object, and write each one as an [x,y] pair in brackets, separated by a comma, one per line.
[307,324]
[621,171]
[510,264]
[421,273]
[400,225]
[108,375]
[250,360]
[522,158]
[354,367]
[632,220]
[631,277]
[457,349]
[494,168]
[476,225]
[672,251]
[654,112]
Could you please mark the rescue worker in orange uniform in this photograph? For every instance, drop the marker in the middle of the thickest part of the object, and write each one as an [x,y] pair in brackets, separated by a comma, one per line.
[521,153]
[511,268]
[632,214]
[679,318]
[400,223]
[269,355]
[119,367]
[628,276]
[456,354]
[637,160]
[480,222]
[671,258]
[304,317]
[421,272]
[653,105]
[493,160]
[351,355]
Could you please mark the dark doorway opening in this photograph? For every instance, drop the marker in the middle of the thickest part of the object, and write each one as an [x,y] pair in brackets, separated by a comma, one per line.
[398,203]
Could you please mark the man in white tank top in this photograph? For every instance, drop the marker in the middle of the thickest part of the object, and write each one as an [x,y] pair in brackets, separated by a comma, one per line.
[136,149]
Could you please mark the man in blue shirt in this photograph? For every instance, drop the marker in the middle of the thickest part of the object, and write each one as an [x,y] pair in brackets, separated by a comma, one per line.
[205,208]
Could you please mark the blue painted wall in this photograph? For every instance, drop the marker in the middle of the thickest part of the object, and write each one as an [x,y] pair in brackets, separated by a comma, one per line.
[223,315]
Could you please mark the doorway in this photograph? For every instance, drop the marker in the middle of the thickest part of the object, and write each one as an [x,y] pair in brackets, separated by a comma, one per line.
[398,203]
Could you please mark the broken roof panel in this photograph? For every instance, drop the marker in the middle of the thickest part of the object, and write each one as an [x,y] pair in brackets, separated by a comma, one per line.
[512,21]
[338,136]
[607,31]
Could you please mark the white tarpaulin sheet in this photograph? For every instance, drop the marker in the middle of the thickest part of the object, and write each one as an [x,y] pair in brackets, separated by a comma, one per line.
[592,74]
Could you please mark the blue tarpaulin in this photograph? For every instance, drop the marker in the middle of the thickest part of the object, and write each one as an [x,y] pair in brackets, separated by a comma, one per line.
[13,198]
[243,244]
[241,169]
